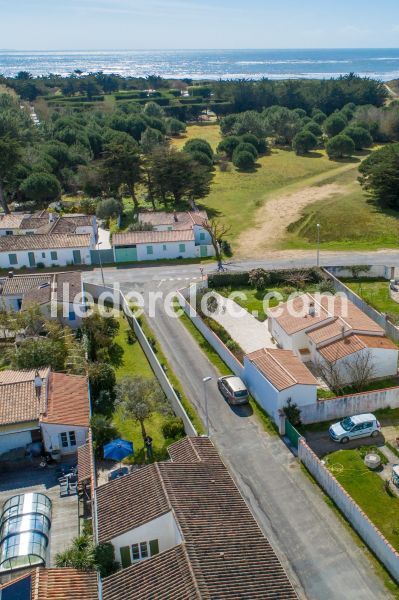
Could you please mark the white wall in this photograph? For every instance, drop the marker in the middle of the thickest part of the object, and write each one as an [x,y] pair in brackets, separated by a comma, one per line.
[11,440]
[357,518]
[164,529]
[282,338]
[272,399]
[51,436]
[64,257]
[197,233]
[168,250]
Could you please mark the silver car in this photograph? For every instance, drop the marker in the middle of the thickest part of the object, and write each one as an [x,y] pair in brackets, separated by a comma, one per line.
[233,389]
[351,428]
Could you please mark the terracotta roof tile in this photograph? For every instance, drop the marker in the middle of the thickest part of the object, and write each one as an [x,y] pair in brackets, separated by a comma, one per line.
[166,576]
[69,284]
[12,221]
[157,218]
[10,376]
[218,530]
[281,367]
[19,402]
[22,284]
[65,584]
[353,343]
[115,499]
[152,237]
[70,223]
[16,243]
[68,400]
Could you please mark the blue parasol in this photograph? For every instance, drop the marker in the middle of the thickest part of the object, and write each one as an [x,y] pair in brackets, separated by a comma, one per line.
[118,449]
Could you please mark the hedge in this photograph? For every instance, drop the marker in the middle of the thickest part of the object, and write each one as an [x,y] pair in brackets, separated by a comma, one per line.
[238,278]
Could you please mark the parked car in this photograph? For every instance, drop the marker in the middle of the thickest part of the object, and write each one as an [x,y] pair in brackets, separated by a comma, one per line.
[358,426]
[233,389]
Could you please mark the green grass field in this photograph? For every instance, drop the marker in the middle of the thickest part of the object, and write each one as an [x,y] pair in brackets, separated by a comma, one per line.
[348,219]
[367,489]
[376,293]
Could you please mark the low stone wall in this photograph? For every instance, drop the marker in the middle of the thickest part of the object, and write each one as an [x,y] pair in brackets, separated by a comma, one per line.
[369,533]
[228,357]
[374,271]
[96,291]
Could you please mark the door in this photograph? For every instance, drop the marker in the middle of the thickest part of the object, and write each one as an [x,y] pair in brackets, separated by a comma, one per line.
[204,251]
[77,259]
[67,442]
[128,254]
[31,257]
[357,431]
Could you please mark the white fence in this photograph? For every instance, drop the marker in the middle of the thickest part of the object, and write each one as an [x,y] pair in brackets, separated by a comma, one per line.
[357,518]
[228,357]
[390,329]
[344,406]
[96,291]
[374,271]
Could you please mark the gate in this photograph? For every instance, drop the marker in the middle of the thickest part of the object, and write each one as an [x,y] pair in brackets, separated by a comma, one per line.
[292,434]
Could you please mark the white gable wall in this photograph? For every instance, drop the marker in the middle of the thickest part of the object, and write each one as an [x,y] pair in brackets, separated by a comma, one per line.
[52,440]
[164,529]
[167,250]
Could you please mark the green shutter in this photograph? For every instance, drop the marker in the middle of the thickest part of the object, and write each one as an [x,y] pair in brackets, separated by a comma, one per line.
[182,247]
[154,547]
[125,557]
[202,236]
[54,255]
[150,250]
[13,259]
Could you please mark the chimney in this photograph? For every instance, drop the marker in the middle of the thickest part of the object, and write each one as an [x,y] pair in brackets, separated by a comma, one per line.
[312,310]
[51,217]
[175,216]
[343,332]
[38,384]
[10,274]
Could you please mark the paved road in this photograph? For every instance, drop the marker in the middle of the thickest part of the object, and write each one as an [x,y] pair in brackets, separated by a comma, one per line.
[318,553]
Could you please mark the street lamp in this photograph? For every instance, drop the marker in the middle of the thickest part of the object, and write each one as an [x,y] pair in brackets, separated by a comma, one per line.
[101,262]
[206,380]
[318,244]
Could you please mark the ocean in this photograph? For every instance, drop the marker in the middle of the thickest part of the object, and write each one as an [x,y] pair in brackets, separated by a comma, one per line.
[209,64]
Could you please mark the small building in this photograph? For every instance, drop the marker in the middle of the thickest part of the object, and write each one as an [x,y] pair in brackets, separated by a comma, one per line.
[44,222]
[173,235]
[154,245]
[181,530]
[59,295]
[52,408]
[45,250]
[52,584]
[274,376]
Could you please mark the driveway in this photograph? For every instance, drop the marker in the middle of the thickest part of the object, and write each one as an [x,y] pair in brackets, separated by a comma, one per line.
[249,333]
[319,554]
[322,444]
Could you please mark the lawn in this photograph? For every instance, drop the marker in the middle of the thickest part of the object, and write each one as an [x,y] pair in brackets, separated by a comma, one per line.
[376,293]
[135,364]
[367,489]
[253,302]
[348,219]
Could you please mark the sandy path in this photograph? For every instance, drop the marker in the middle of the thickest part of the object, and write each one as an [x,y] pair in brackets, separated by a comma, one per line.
[276,214]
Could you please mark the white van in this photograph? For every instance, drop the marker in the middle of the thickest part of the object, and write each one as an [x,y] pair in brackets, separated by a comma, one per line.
[358,426]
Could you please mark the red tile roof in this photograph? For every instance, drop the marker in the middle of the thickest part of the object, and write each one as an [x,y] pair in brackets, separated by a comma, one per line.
[354,343]
[223,555]
[59,584]
[152,237]
[68,400]
[281,367]
[176,219]
[18,243]
[19,402]
[167,576]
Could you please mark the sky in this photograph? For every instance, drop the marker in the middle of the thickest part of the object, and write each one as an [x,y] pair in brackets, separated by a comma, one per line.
[197,24]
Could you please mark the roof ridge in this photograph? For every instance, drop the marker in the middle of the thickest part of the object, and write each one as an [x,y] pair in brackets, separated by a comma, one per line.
[190,568]
[266,350]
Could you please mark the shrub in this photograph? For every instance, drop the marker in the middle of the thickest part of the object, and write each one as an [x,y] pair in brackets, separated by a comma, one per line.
[293,413]
[334,124]
[259,279]
[173,428]
[235,278]
[340,146]
[361,137]
[228,145]
[304,141]
[202,158]
[245,147]
[314,128]
[197,144]
[259,143]
[226,248]
[232,346]
[244,161]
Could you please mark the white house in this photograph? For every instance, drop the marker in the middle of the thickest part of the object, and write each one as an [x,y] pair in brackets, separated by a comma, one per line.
[46,250]
[274,376]
[155,245]
[59,295]
[47,407]
[331,329]
[180,529]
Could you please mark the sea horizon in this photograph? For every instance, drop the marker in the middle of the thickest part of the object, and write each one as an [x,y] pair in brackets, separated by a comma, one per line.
[211,64]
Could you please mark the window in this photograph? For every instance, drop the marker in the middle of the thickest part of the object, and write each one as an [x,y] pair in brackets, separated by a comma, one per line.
[8,232]
[68,439]
[164,247]
[170,229]
[202,235]
[72,438]
[150,250]
[143,549]
[54,255]
[64,440]
[43,255]
[135,552]
[154,547]
[182,247]
[13,259]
